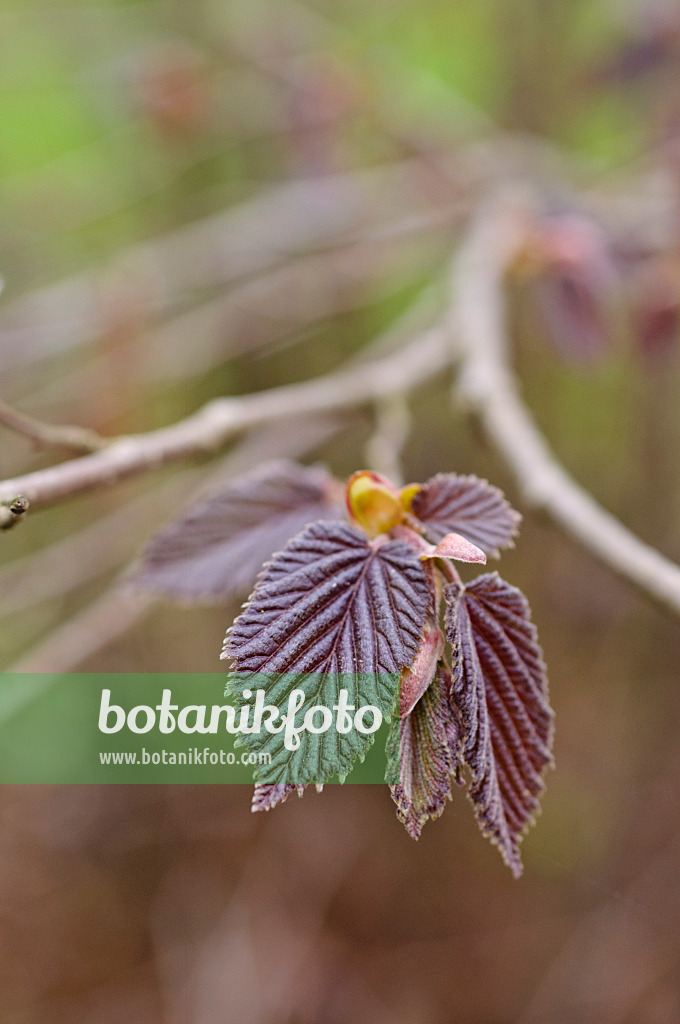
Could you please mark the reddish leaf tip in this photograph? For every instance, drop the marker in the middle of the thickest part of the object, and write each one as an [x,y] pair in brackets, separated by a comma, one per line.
[453,545]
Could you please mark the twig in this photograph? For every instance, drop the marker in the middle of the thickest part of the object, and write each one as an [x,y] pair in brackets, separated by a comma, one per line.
[12,511]
[487,386]
[392,428]
[105,544]
[219,420]
[77,439]
[114,612]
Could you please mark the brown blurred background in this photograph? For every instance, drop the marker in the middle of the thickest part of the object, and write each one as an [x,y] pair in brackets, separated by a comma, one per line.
[219,197]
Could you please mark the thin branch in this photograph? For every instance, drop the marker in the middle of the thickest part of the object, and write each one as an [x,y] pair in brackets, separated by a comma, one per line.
[107,543]
[218,421]
[392,428]
[114,612]
[77,439]
[487,386]
[12,511]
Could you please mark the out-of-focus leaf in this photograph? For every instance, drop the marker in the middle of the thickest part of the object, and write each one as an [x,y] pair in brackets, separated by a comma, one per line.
[216,548]
[421,753]
[267,796]
[636,58]
[656,310]
[500,689]
[574,314]
[576,293]
[333,610]
[448,503]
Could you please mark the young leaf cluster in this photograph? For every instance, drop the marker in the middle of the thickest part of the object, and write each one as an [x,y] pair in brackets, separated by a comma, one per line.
[365,595]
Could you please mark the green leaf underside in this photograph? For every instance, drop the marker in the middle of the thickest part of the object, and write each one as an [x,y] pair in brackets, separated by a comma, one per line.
[216,548]
[330,604]
[320,756]
[422,756]
[449,503]
[500,690]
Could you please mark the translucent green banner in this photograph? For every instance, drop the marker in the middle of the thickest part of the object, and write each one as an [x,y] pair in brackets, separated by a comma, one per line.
[181,728]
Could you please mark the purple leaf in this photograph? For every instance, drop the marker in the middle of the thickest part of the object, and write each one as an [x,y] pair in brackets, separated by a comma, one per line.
[333,601]
[448,503]
[216,548]
[575,314]
[577,289]
[426,743]
[656,311]
[266,796]
[500,690]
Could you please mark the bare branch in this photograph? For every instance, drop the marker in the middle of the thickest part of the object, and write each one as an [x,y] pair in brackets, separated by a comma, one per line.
[12,511]
[487,386]
[114,612]
[219,420]
[107,543]
[392,428]
[77,439]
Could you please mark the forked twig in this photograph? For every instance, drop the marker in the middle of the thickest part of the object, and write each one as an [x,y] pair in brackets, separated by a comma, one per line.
[77,439]
[487,386]
[218,421]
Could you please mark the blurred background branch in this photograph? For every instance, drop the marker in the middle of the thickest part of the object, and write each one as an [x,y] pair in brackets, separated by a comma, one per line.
[487,386]
[209,428]
[78,439]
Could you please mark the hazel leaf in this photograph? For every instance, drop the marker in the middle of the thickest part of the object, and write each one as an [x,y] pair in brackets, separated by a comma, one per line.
[266,796]
[449,503]
[333,601]
[453,545]
[216,548]
[421,752]
[331,611]
[500,690]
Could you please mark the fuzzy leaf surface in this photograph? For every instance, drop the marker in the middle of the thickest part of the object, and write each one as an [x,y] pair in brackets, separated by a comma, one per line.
[421,752]
[500,690]
[449,503]
[331,611]
[453,545]
[216,548]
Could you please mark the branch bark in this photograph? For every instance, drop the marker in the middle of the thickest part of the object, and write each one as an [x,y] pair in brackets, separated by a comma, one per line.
[212,426]
[487,386]
[108,542]
[77,439]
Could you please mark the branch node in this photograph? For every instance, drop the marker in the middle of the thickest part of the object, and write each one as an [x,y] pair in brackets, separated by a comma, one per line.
[12,512]
[76,439]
